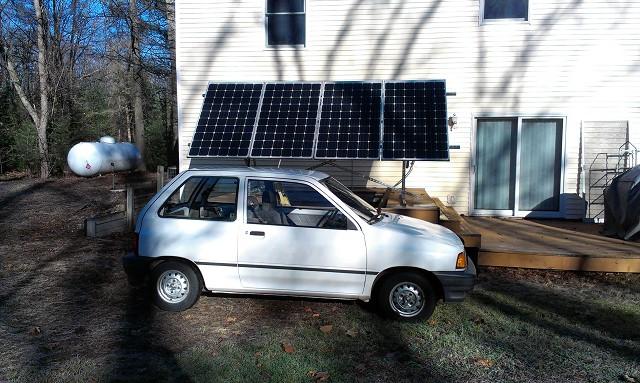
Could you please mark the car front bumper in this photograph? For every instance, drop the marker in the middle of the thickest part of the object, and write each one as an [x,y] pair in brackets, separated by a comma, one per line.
[456,284]
[137,268]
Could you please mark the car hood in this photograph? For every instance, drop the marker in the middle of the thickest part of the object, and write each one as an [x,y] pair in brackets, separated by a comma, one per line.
[419,229]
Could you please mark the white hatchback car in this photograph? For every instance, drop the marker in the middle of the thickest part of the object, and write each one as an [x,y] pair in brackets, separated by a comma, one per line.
[291,232]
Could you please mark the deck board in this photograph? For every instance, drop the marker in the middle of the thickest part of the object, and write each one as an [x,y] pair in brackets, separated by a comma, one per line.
[524,243]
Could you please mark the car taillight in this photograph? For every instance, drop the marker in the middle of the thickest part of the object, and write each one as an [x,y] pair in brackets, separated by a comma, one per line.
[134,243]
[461,261]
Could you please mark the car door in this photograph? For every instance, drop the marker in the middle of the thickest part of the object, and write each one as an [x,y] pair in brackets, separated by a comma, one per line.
[198,221]
[295,239]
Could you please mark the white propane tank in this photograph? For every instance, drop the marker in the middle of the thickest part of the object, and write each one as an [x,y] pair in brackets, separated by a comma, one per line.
[88,159]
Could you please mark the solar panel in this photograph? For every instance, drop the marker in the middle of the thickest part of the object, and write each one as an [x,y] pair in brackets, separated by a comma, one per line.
[226,121]
[415,121]
[282,120]
[287,122]
[350,121]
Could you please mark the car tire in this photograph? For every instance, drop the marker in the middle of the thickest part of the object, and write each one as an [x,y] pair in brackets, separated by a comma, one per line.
[175,286]
[406,296]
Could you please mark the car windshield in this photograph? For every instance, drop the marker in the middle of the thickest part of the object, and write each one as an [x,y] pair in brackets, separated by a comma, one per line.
[357,204]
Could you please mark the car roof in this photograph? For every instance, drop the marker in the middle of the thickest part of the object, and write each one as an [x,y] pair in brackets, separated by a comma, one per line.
[263,172]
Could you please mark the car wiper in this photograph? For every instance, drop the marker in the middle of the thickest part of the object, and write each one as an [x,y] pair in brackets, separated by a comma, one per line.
[376,218]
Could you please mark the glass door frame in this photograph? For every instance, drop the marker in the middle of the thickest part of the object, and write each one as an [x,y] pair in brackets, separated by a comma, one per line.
[516,212]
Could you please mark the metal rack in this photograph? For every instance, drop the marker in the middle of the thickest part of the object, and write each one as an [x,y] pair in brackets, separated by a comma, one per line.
[600,177]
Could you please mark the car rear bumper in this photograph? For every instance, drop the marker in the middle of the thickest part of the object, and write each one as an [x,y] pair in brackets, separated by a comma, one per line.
[137,268]
[456,284]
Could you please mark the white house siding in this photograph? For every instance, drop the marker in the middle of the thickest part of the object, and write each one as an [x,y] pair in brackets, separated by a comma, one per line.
[578,59]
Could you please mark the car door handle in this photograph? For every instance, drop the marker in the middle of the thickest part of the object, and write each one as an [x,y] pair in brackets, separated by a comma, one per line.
[257,233]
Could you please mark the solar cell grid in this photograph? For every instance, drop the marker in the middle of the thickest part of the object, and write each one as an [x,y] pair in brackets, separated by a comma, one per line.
[226,122]
[350,121]
[286,126]
[279,120]
[415,120]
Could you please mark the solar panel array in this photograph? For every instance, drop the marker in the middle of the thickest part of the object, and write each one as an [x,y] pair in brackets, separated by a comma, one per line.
[393,120]
[350,121]
[415,120]
[226,121]
[287,123]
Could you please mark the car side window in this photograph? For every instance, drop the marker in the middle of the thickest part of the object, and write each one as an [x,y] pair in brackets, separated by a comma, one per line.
[207,198]
[292,204]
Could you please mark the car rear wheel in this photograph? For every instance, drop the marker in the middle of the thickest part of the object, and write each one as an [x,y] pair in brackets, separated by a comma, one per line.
[176,286]
[406,296]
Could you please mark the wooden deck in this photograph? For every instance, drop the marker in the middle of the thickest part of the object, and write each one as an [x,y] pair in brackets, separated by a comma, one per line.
[510,242]
[524,243]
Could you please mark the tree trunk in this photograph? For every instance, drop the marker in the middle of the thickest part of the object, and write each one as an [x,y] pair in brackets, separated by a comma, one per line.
[43,120]
[136,78]
[172,113]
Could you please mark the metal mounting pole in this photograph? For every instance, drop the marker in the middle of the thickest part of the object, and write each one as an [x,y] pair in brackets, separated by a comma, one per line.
[403,187]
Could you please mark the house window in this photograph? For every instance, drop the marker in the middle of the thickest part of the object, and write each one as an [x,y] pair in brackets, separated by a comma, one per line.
[286,22]
[505,9]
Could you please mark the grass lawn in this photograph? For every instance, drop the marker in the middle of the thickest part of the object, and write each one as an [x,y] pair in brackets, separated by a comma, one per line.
[67,314]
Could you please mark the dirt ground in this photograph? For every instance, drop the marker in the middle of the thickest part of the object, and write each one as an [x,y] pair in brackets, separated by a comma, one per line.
[68,314]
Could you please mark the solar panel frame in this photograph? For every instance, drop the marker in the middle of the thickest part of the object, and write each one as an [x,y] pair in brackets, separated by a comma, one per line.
[444,113]
[381,145]
[203,103]
[379,124]
[316,109]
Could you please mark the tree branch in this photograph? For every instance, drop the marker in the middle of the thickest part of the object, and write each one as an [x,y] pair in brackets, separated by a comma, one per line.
[13,76]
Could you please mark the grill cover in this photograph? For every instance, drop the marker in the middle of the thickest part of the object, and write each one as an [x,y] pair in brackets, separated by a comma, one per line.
[622,205]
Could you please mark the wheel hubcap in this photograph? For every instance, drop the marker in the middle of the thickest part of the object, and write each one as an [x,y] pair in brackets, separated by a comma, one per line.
[173,286]
[407,299]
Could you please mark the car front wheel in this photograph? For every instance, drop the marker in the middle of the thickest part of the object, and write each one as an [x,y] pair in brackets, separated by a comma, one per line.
[176,286]
[406,296]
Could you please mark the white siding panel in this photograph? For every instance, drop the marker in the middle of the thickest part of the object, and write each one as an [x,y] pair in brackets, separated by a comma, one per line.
[578,59]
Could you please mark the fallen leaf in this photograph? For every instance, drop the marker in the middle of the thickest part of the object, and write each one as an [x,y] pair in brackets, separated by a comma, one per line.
[432,322]
[35,331]
[318,376]
[288,348]
[326,328]
[352,333]
[231,319]
[316,315]
[482,362]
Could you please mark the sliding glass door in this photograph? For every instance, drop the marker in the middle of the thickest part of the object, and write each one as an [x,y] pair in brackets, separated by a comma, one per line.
[495,165]
[517,169]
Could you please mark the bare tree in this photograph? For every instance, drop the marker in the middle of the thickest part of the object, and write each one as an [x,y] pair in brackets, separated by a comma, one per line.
[172,112]
[136,76]
[40,116]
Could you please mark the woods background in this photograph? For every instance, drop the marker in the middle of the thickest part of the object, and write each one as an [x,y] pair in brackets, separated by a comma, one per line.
[75,70]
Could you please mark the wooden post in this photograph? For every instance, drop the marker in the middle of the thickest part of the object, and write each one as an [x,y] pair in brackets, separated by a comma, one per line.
[160,177]
[130,207]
